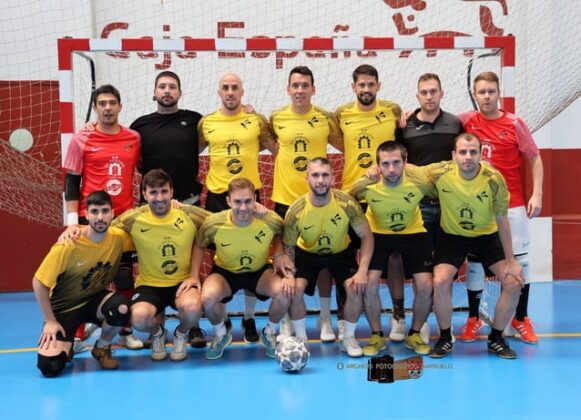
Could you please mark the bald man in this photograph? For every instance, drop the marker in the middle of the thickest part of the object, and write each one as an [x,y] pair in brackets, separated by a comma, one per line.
[234,139]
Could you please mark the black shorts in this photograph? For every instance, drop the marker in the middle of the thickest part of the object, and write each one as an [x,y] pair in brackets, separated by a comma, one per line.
[453,249]
[341,265]
[415,250]
[245,281]
[71,320]
[281,209]
[160,297]
[216,203]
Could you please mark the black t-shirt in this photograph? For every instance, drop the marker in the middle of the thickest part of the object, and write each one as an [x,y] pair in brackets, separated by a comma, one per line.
[170,142]
[430,142]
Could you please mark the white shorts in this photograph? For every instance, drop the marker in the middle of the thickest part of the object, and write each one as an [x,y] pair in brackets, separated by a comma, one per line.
[519,230]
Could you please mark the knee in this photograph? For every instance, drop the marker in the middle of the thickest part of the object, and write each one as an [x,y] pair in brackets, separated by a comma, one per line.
[511,286]
[441,283]
[424,287]
[52,366]
[116,310]
[192,306]
[140,317]
[209,298]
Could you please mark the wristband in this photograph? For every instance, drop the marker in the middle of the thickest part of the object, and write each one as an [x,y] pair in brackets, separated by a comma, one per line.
[72,218]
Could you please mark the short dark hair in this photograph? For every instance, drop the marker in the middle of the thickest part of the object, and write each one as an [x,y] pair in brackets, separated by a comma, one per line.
[467,137]
[155,179]
[171,74]
[110,89]
[367,70]
[240,183]
[98,198]
[430,76]
[320,159]
[391,146]
[304,70]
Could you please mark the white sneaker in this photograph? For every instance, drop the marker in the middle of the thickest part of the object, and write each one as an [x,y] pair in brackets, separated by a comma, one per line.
[425,333]
[326,328]
[397,332]
[341,327]
[351,347]
[80,346]
[286,329]
[131,342]
[179,350]
[158,351]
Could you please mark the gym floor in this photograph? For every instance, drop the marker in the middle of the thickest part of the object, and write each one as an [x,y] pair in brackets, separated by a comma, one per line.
[543,382]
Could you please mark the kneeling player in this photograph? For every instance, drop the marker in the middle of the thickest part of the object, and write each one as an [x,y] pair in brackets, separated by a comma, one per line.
[164,238]
[71,288]
[242,244]
[317,223]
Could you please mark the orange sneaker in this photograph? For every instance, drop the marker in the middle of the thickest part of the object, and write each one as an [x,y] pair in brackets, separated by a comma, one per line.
[471,330]
[525,329]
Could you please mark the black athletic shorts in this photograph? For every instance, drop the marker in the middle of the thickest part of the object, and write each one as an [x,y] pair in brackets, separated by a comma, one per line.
[216,203]
[71,320]
[238,281]
[281,209]
[342,266]
[453,249]
[415,250]
[160,297]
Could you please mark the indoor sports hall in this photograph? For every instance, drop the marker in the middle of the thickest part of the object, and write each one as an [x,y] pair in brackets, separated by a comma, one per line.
[56,53]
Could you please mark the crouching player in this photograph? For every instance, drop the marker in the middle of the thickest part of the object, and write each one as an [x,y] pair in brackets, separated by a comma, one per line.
[71,288]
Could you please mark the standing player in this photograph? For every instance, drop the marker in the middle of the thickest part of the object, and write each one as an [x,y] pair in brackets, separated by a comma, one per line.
[474,200]
[104,159]
[506,140]
[164,237]
[169,141]
[234,140]
[71,288]
[241,261]
[303,131]
[396,222]
[366,123]
[316,237]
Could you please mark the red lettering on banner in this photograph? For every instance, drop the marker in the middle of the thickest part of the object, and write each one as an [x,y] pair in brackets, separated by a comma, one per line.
[341,28]
[260,54]
[166,64]
[222,26]
[281,54]
[150,54]
[110,27]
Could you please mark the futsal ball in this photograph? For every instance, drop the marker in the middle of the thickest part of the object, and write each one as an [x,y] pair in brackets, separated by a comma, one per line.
[292,354]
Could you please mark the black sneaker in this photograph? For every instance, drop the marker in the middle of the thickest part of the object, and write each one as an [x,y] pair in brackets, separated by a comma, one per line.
[441,349]
[249,329]
[499,346]
[198,338]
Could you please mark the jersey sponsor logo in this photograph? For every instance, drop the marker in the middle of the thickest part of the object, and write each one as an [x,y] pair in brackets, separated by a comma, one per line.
[420,127]
[114,187]
[363,141]
[234,166]
[246,260]
[408,198]
[246,123]
[300,163]
[168,249]
[183,123]
[211,131]
[225,244]
[143,230]
[281,127]
[466,214]
[445,190]
[380,116]
[349,122]
[178,224]
[483,195]
[308,227]
[324,244]
[364,160]
[80,263]
[260,236]
[373,200]
[169,267]
[336,219]
[300,143]
[233,147]
[96,149]
[396,218]
[313,121]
